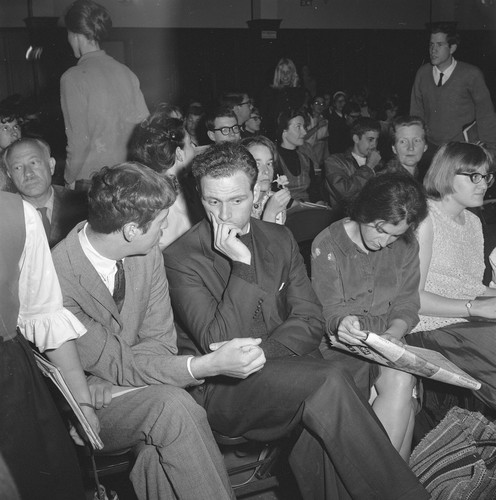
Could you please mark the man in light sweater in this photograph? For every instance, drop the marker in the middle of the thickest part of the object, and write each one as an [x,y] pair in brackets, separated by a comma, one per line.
[450,94]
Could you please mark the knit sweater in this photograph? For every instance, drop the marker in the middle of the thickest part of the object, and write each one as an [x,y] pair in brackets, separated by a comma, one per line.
[102,102]
[446,109]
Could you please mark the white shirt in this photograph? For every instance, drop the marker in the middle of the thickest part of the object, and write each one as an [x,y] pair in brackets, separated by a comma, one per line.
[42,318]
[106,268]
[446,73]
[361,160]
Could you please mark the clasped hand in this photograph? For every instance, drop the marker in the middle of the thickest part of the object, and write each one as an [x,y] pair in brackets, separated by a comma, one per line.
[238,358]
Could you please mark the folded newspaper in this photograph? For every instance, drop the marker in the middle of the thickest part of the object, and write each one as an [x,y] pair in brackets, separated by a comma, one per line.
[415,360]
[55,375]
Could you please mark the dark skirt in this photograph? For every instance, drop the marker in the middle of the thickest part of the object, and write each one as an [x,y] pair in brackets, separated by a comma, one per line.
[33,440]
[471,346]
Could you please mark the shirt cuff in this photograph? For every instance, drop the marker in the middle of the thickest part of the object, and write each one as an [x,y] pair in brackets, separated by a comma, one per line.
[492,284]
[188,365]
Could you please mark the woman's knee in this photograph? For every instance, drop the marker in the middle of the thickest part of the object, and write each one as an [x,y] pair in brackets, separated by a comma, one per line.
[395,382]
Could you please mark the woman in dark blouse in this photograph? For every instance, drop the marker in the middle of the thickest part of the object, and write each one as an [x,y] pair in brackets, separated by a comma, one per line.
[365,271]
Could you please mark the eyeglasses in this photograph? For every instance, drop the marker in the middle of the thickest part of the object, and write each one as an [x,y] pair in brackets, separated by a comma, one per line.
[476,177]
[256,118]
[319,103]
[249,102]
[235,129]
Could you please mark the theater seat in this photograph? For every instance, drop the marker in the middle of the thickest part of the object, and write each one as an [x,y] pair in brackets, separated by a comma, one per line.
[306,223]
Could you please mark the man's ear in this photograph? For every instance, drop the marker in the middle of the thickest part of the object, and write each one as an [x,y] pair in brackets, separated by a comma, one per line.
[453,48]
[355,138]
[393,147]
[211,135]
[130,231]
[179,154]
[51,162]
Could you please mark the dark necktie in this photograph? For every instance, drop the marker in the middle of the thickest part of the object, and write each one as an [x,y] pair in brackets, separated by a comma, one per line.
[44,219]
[119,285]
[440,81]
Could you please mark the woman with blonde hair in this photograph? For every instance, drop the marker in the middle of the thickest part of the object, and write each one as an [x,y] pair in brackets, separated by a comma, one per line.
[284,93]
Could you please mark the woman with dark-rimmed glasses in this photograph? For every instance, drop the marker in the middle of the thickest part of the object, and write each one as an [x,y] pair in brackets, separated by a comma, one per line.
[451,242]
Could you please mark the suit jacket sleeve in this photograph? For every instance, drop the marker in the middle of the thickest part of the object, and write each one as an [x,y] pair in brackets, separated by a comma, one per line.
[212,310]
[484,110]
[142,349]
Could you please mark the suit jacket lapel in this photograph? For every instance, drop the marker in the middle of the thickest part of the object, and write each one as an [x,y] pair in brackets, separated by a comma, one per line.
[88,276]
[263,258]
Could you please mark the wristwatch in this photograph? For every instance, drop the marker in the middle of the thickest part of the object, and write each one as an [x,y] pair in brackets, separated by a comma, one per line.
[468,305]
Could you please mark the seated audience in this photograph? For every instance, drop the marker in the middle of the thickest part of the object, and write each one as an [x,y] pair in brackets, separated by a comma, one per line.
[33,441]
[164,146]
[296,159]
[252,125]
[268,204]
[317,131]
[164,111]
[112,276]
[339,134]
[452,266]
[10,131]
[388,112]
[240,103]
[222,125]
[346,173]
[30,167]
[365,272]
[408,136]
[194,116]
[245,278]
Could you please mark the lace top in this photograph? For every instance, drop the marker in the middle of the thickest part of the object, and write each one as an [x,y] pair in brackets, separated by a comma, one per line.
[457,264]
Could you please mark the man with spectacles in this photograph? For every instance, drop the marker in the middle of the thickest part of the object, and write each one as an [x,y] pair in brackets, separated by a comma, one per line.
[222,125]
[450,94]
[252,125]
[240,103]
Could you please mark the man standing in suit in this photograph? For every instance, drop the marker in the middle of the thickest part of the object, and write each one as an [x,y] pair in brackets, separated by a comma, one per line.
[30,167]
[232,276]
[113,279]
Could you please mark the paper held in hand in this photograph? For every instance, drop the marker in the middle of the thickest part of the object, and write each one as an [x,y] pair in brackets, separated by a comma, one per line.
[54,374]
[415,360]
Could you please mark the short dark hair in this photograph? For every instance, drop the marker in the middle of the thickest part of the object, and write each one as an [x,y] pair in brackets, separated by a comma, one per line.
[218,112]
[154,143]
[449,29]
[405,121]
[231,99]
[127,192]
[451,159]
[363,125]
[351,107]
[88,18]
[392,198]
[284,118]
[225,160]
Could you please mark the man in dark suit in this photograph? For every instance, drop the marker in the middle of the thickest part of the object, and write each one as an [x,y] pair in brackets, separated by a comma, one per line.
[30,167]
[232,276]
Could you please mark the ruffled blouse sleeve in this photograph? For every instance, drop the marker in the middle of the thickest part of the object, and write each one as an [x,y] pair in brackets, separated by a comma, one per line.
[42,318]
